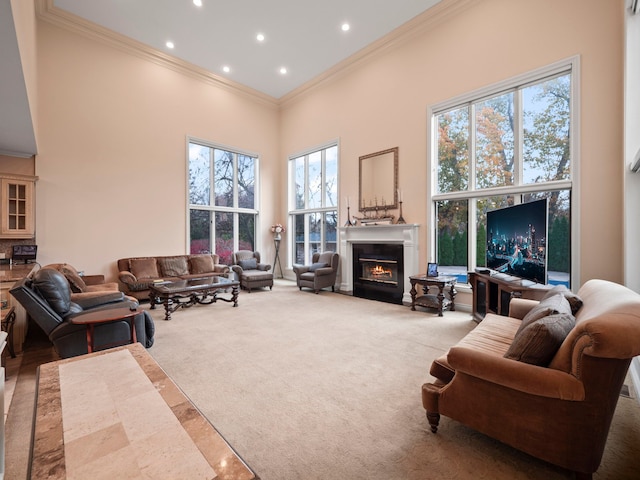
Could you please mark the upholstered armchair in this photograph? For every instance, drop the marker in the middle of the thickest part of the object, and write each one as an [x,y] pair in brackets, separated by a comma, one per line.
[251,273]
[320,274]
[46,296]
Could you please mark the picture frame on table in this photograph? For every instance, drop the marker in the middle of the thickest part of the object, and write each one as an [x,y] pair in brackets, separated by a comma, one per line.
[432,269]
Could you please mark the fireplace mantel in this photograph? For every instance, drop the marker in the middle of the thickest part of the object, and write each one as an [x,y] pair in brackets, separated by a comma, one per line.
[406,234]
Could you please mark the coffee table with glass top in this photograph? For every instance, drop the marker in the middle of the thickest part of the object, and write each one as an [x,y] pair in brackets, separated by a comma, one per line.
[186,293]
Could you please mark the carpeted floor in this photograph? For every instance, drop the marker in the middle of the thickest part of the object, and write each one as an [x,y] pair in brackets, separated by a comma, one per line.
[327,386]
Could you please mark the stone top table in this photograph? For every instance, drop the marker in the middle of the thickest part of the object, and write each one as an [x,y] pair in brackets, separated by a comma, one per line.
[116,414]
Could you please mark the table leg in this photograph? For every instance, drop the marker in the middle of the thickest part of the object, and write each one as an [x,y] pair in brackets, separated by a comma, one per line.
[89,338]
[167,308]
[413,293]
[440,299]
[234,295]
[452,294]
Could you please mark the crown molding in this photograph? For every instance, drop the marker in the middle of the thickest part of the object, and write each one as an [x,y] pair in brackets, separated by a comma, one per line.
[441,12]
[417,26]
[46,11]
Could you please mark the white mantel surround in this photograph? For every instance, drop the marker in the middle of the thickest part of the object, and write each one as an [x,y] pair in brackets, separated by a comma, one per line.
[406,234]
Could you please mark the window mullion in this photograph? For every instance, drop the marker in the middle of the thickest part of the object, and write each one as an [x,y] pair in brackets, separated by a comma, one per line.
[518,168]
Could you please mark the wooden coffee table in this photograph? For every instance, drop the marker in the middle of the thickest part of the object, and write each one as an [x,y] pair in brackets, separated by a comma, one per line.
[186,293]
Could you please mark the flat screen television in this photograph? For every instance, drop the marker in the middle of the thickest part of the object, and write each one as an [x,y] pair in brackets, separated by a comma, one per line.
[517,240]
[24,253]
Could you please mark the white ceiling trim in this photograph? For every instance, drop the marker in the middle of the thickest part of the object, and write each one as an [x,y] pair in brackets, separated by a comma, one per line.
[435,15]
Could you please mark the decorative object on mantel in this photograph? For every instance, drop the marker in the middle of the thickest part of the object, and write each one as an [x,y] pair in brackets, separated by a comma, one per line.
[400,218]
[277,230]
[349,222]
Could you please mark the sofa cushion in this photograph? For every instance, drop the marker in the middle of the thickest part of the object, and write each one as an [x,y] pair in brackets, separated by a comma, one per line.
[173,266]
[539,341]
[201,264]
[315,266]
[75,280]
[575,302]
[144,268]
[248,264]
[551,305]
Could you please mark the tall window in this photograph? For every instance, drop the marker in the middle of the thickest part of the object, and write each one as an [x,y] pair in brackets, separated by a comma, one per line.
[503,146]
[313,200]
[222,200]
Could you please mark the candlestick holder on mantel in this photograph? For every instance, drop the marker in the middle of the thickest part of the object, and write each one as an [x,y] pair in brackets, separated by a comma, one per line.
[401,218]
[349,223]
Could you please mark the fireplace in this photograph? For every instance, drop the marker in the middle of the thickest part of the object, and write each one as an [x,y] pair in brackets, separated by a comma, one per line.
[378,271]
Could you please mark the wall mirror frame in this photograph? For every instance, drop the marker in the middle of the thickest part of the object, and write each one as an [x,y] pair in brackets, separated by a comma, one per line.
[379,180]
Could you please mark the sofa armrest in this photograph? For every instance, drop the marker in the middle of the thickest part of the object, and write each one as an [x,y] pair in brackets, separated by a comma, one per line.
[300,269]
[324,271]
[524,377]
[95,299]
[519,307]
[265,267]
[219,268]
[93,279]
[127,278]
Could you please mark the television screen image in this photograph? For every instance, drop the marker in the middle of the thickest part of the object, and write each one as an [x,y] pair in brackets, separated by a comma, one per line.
[517,240]
[25,253]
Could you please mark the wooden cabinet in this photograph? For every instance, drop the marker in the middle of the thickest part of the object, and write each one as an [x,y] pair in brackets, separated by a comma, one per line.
[17,218]
[492,293]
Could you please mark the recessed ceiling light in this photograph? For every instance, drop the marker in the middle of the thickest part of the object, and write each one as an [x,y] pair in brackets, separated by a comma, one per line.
[170,44]
[260,37]
[345,27]
[197,3]
[283,70]
[226,69]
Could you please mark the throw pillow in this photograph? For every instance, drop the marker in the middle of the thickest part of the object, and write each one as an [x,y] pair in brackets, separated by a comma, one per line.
[547,306]
[75,280]
[173,266]
[316,266]
[202,264]
[574,300]
[248,264]
[539,341]
[144,268]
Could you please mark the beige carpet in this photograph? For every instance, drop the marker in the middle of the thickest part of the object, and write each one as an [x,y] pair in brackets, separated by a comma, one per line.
[327,386]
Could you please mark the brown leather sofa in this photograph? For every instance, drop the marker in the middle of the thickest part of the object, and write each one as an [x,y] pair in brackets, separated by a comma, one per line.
[136,274]
[557,401]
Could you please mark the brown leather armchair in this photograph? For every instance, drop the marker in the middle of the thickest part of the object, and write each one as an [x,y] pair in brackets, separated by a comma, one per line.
[320,274]
[251,273]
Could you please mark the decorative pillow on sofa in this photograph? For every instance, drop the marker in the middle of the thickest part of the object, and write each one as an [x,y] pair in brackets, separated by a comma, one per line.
[248,264]
[173,266]
[75,280]
[202,264]
[144,268]
[575,302]
[315,266]
[539,341]
[548,306]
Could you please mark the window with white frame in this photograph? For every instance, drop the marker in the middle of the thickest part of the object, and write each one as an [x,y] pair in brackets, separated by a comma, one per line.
[313,202]
[222,200]
[508,144]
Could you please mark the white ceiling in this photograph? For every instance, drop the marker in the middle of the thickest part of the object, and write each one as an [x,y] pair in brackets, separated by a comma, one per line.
[303,36]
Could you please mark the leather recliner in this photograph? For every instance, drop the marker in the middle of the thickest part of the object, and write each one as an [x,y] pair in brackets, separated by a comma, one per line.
[46,296]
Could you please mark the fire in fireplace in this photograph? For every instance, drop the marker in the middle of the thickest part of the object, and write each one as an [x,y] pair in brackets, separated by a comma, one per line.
[378,271]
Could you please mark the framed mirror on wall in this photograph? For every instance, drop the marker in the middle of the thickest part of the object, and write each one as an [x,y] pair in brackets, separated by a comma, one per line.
[379,180]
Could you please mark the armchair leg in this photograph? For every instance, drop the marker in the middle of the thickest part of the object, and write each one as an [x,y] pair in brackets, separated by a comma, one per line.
[434,420]
[333,288]
[300,288]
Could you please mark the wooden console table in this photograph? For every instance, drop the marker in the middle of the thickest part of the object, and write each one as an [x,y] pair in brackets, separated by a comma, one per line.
[440,302]
[492,293]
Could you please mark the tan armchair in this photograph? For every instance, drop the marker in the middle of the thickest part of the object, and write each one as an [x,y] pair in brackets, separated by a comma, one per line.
[560,411]
[251,273]
[320,274]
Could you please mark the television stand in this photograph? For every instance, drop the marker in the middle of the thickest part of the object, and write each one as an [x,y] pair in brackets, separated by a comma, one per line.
[492,292]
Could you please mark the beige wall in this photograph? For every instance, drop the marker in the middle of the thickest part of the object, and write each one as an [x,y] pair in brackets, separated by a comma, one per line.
[113,131]
[113,127]
[384,102]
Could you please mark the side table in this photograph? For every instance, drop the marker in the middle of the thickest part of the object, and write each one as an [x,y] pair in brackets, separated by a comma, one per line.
[439,301]
[101,317]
